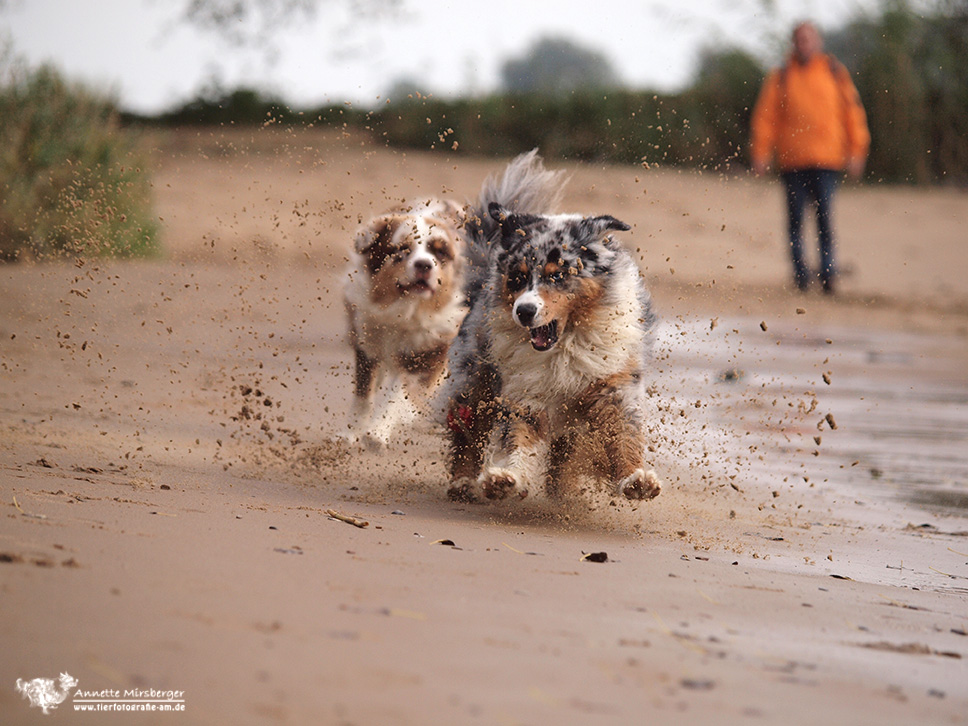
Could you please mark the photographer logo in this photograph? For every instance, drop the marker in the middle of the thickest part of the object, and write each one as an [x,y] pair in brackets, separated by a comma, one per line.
[46,693]
[49,693]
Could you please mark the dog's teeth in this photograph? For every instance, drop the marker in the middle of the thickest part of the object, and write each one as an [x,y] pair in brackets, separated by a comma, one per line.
[544,336]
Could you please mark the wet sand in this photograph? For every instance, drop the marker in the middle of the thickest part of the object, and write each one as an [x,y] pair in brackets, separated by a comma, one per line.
[168,456]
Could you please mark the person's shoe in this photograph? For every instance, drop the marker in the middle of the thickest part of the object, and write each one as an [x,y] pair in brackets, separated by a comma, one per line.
[828,286]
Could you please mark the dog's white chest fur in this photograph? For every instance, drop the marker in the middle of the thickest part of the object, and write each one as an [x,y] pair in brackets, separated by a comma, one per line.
[403,326]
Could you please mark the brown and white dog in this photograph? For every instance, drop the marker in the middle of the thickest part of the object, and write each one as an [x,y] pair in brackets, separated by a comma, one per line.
[548,374]
[405,300]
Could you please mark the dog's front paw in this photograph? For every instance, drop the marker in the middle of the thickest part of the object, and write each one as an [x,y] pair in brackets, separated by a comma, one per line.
[640,484]
[499,483]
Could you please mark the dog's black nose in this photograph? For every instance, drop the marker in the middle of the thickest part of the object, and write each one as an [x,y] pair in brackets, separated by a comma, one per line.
[423,265]
[526,313]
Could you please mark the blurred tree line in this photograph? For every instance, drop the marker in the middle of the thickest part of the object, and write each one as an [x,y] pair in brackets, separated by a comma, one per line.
[911,69]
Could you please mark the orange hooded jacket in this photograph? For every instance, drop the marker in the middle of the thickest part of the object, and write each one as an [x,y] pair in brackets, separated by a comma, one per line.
[810,116]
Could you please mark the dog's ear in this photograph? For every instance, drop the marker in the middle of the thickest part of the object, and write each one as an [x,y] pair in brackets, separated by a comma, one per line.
[457,211]
[596,227]
[451,217]
[374,240]
[498,213]
[606,222]
[512,224]
[378,230]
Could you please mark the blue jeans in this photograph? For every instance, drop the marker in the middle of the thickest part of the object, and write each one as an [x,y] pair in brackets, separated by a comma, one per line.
[817,185]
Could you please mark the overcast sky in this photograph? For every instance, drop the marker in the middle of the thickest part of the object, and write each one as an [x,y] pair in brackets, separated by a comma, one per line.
[139,51]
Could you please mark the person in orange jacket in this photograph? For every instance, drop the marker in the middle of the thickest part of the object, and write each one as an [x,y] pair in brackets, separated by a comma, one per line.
[809,118]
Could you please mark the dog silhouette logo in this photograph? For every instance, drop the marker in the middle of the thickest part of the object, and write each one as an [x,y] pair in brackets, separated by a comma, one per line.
[46,693]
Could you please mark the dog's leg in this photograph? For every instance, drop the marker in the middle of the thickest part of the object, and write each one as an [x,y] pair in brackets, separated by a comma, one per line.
[466,450]
[421,384]
[606,440]
[395,410]
[517,458]
[366,379]
[631,479]
[570,461]
[411,381]
[469,427]
[471,417]
[626,449]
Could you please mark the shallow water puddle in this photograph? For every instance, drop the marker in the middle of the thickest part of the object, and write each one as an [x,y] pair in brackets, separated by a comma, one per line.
[899,403]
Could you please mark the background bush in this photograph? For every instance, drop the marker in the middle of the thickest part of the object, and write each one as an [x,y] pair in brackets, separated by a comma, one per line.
[71,181]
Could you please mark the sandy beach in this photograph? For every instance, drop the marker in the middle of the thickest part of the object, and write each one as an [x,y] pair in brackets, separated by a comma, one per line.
[169,458]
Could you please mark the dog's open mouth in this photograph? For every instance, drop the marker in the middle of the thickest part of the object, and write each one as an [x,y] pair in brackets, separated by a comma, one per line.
[545,336]
[419,287]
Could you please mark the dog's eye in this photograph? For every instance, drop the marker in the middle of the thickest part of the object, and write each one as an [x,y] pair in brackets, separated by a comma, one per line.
[517,280]
[559,277]
[379,256]
[441,250]
[554,271]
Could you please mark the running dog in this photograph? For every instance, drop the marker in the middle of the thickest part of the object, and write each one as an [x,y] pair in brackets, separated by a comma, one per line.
[548,373]
[405,297]
[404,302]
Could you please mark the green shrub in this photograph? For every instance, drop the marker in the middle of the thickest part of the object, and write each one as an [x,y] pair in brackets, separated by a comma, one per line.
[71,181]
